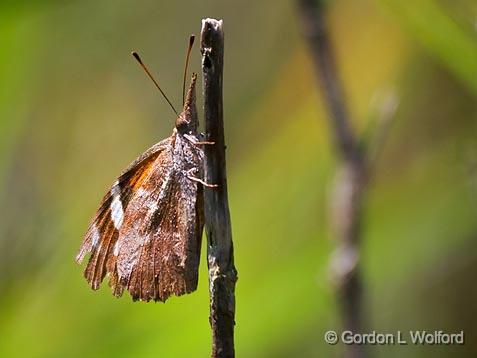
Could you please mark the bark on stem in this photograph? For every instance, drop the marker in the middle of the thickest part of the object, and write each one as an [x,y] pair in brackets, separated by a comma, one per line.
[222,272]
[351,180]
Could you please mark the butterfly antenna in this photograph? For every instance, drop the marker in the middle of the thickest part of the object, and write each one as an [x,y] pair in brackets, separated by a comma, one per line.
[191,43]
[138,59]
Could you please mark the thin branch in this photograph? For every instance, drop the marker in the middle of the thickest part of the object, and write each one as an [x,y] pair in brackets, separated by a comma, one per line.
[386,113]
[312,17]
[222,272]
[351,180]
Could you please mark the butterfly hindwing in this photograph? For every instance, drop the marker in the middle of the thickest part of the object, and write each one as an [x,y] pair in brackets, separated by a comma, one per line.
[159,241]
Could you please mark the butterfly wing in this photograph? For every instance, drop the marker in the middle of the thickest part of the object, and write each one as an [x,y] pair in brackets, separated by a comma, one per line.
[147,232]
[103,231]
[158,249]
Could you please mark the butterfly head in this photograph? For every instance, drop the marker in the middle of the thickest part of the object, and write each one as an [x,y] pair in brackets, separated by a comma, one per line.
[188,121]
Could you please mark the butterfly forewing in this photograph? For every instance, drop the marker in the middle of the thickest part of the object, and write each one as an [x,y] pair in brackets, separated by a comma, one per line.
[102,233]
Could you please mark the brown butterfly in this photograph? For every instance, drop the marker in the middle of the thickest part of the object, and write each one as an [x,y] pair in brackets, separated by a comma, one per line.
[146,234]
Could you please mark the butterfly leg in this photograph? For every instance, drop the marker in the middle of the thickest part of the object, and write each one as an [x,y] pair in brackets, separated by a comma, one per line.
[196,142]
[189,175]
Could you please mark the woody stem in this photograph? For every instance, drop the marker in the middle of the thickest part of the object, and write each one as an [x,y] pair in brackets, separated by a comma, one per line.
[222,272]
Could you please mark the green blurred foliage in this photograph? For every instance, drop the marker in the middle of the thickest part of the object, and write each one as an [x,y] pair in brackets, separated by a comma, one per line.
[75,110]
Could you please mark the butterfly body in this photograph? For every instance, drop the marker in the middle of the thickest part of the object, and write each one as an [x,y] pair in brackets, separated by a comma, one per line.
[146,235]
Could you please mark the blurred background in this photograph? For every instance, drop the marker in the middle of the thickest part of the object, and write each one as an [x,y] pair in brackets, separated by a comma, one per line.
[75,109]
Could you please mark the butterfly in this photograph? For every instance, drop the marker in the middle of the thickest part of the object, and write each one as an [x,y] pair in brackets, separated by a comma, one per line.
[146,234]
